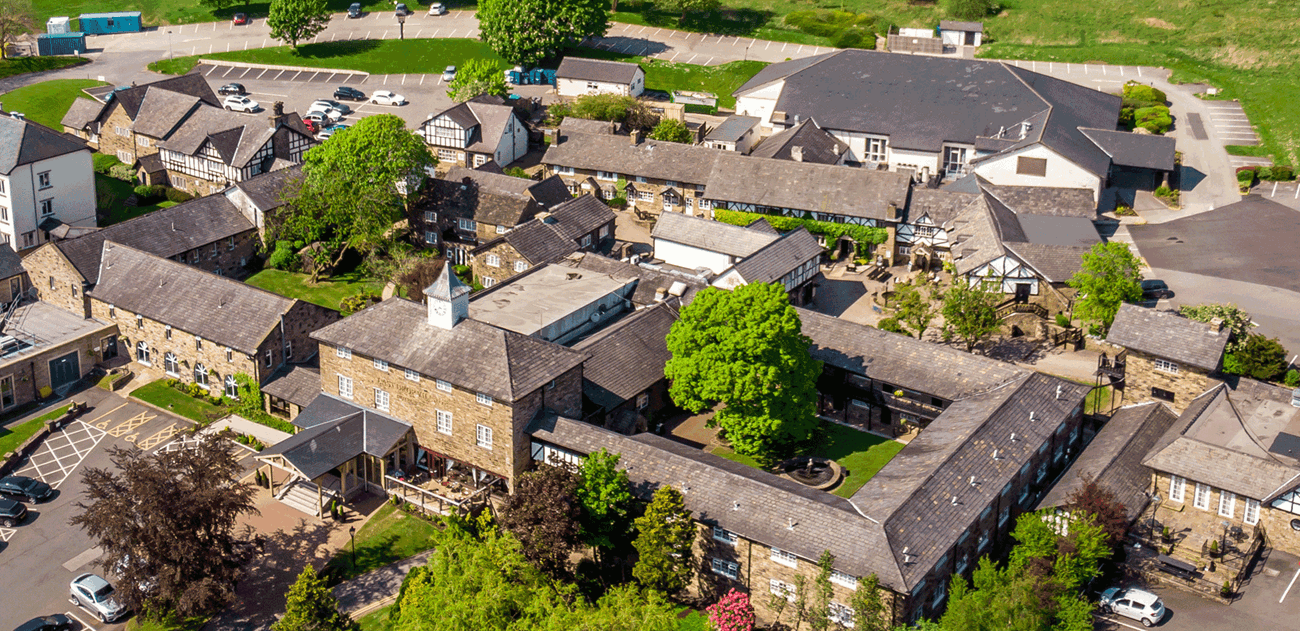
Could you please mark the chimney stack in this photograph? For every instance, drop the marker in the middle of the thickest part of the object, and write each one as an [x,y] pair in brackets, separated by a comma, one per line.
[1216,324]
[277,108]
[635,137]
[796,153]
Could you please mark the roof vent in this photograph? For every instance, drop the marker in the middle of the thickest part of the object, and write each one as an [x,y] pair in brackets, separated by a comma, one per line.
[1058,391]
[996,456]
[789,523]
[954,500]
[1024,129]
[1013,437]
[1031,414]
[972,481]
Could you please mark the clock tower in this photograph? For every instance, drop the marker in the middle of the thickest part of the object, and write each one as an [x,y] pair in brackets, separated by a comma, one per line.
[448,299]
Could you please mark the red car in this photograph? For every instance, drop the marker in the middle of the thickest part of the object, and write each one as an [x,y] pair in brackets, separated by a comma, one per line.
[240,18]
[311,125]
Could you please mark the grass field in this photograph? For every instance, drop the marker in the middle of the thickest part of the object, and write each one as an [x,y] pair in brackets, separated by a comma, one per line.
[171,399]
[860,453]
[156,12]
[389,56]
[11,438]
[48,101]
[721,80]
[390,535]
[118,191]
[326,293]
[23,65]
[376,620]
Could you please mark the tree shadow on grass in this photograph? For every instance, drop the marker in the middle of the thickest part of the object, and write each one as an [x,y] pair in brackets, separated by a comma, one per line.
[330,50]
[728,21]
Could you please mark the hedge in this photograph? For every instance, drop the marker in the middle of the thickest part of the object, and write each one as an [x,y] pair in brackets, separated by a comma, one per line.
[832,231]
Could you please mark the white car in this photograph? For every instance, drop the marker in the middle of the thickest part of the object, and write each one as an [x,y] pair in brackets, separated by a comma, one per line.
[449,73]
[240,103]
[94,593]
[384,97]
[437,9]
[327,104]
[334,114]
[1134,603]
[320,118]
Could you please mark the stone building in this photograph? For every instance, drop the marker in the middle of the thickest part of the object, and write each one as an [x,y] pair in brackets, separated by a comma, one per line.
[481,130]
[583,223]
[182,323]
[14,281]
[623,381]
[1165,356]
[130,122]
[214,148]
[293,388]
[46,350]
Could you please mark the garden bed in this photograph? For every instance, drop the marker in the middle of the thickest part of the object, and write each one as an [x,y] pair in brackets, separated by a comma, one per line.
[861,454]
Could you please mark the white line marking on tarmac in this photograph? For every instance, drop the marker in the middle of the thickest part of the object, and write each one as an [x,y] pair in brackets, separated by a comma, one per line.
[1295,576]
[83,558]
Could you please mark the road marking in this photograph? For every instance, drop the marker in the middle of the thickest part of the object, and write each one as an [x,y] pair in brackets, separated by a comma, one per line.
[1274,193]
[277,75]
[83,622]
[1114,621]
[153,441]
[385,79]
[367,34]
[435,32]
[105,425]
[384,36]
[800,49]
[6,533]
[422,79]
[83,558]
[783,45]
[417,33]
[403,79]
[642,30]
[1139,71]
[769,45]
[1295,576]
[1085,69]
[691,59]
[131,424]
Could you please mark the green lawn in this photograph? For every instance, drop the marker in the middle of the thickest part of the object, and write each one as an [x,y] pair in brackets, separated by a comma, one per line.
[721,80]
[23,65]
[390,535]
[48,101]
[328,292]
[376,620]
[156,12]
[860,453]
[171,399]
[111,192]
[693,621]
[758,23]
[389,56]
[11,438]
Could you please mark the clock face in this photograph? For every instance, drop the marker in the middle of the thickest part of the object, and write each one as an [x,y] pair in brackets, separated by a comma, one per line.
[439,308]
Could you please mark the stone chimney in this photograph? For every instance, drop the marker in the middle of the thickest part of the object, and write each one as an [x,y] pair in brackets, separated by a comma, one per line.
[277,108]
[796,153]
[1216,324]
[635,137]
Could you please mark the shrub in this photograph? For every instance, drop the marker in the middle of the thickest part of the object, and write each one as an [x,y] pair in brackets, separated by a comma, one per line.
[1140,95]
[178,196]
[284,257]
[1163,191]
[617,202]
[892,325]
[1063,320]
[1241,170]
[855,38]
[1265,173]
[968,9]
[104,161]
[357,302]
[1292,379]
[1278,173]
[122,172]
[517,172]
[1154,119]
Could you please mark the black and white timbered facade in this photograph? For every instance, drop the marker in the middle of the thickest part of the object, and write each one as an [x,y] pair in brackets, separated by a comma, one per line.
[208,154]
[475,132]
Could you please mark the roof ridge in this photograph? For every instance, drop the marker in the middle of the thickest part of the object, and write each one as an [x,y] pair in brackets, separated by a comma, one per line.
[229,282]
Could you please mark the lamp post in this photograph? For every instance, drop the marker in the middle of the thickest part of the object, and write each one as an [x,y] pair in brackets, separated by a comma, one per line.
[352,534]
[1151,523]
[170,55]
[401,26]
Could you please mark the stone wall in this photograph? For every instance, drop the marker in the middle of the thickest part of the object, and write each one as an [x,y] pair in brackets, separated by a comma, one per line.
[578,185]
[7,287]
[227,257]
[56,281]
[1195,525]
[30,373]
[190,350]
[504,270]
[110,142]
[1140,376]
[302,319]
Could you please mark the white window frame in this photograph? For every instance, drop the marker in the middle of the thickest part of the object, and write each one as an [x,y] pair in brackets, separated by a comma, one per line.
[502,230]
[784,558]
[781,588]
[1165,366]
[201,371]
[492,260]
[723,567]
[380,365]
[844,580]
[412,375]
[606,176]
[1177,488]
[520,267]
[483,399]
[642,401]
[840,614]
[725,536]
[171,364]
[445,386]
[1227,503]
[1251,514]
[488,281]
[876,149]
[343,352]
[1201,499]
[345,387]
[444,421]
[483,436]
[382,399]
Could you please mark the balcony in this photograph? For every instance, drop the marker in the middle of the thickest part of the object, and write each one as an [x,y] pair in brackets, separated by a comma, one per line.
[910,406]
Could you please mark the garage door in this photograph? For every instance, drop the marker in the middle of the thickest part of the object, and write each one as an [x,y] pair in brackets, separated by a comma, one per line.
[64,370]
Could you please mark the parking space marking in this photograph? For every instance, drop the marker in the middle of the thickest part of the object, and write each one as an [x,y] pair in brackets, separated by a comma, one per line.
[6,533]
[78,619]
[1114,621]
[131,424]
[104,425]
[61,453]
[1289,586]
[81,559]
[163,435]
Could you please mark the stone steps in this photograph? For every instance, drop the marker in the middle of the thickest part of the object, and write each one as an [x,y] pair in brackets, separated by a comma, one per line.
[302,496]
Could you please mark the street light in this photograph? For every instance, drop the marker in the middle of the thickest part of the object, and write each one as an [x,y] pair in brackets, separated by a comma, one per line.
[169,44]
[401,26]
[352,534]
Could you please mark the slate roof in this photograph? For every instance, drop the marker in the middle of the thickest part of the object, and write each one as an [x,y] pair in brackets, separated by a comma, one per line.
[548,192]
[650,280]
[335,432]
[597,70]
[298,384]
[941,205]
[780,257]
[548,240]
[24,142]
[223,311]
[1044,200]
[732,128]
[265,188]
[192,84]
[1145,151]
[951,25]
[710,235]
[574,125]
[10,263]
[903,361]
[1168,335]
[161,111]
[489,115]
[1114,458]
[806,186]
[1051,245]
[165,233]
[236,137]
[82,113]
[751,503]
[654,159]
[491,198]
[506,365]
[817,144]
[627,357]
[1055,263]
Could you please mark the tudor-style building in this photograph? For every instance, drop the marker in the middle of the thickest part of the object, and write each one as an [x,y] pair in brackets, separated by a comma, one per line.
[214,148]
[1163,356]
[478,131]
[129,122]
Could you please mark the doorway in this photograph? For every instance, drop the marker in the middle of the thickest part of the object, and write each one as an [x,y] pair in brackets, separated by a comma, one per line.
[1022,293]
[64,370]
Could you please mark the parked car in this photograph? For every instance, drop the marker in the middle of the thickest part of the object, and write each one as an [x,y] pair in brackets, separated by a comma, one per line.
[240,18]
[22,488]
[1156,290]
[232,88]
[1134,603]
[326,110]
[331,104]
[401,9]
[354,10]
[311,125]
[95,594]
[321,119]
[437,8]
[330,131]
[56,622]
[449,73]
[385,97]
[12,513]
[239,103]
[349,93]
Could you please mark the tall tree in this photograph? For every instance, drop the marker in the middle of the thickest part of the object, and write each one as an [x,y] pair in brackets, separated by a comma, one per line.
[605,498]
[671,130]
[528,31]
[348,195]
[166,523]
[912,307]
[1109,278]
[868,605]
[663,543]
[16,19]
[819,610]
[745,349]
[542,514]
[475,78]
[310,606]
[697,6]
[1106,510]
[293,21]
[969,312]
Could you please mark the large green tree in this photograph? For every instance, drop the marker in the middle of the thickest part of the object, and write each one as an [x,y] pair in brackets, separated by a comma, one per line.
[477,77]
[1260,357]
[605,496]
[543,514]
[969,312]
[671,130]
[310,606]
[350,192]
[16,18]
[528,31]
[293,21]
[745,350]
[1110,277]
[1237,321]
[912,307]
[663,543]
[869,610]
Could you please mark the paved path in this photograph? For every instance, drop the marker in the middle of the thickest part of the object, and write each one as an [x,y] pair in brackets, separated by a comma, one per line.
[376,586]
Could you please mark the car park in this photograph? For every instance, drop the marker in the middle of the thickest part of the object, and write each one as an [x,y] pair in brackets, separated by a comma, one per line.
[386,97]
[232,88]
[12,513]
[239,103]
[240,18]
[345,110]
[401,9]
[1138,604]
[449,73]
[349,94]
[321,119]
[354,10]
[25,489]
[93,593]
[437,8]
[56,622]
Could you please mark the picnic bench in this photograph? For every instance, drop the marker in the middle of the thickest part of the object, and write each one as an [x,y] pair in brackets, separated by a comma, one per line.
[1176,567]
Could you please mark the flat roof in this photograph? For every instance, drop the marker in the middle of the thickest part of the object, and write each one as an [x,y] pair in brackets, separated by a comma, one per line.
[38,326]
[532,302]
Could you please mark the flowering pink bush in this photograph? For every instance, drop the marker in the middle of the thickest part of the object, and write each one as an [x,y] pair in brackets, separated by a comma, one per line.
[732,612]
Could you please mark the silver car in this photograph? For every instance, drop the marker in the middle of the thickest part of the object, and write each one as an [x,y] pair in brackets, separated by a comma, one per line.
[1138,604]
[93,593]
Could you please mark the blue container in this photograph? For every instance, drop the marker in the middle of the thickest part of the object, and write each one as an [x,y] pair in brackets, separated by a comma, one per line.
[60,43]
[100,23]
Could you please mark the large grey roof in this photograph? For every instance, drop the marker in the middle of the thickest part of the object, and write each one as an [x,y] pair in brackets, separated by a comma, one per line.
[1168,335]
[710,235]
[1114,458]
[506,365]
[82,113]
[166,233]
[1053,245]
[546,241]
[335,432]
[628,357]
[161,111]
[941,205]
[779,258]
[572,124]
[597,70]
[816,143]
[24,142]
[298,384]
[753,504]
[1044,200]
[650,281]
[236,137]
[265,189]
[1145,151]
[548,192]
[733,128]
[487,197]
[1055,263]
[650,158]
[809,187]
[192,84]
[224,311]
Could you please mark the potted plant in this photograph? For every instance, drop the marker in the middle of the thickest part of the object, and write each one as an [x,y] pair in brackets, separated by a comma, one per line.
[1165,536]
[1214,548]
[1226,589]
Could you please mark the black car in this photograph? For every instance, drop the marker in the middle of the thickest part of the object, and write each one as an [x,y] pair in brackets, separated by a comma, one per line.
[231,88]
[349,94]
[354,11]
[1155,290]
[12,513]
[401,9]
[22,488]
[56,622]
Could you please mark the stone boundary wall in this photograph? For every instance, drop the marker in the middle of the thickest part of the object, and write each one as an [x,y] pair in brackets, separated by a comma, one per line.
[12,459]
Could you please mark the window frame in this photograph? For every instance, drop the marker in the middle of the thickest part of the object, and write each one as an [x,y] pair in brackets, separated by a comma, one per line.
[443,385]
[379,364]
[723,567]
[383,400]
[784,557]
[1164,365]
[484,399]
[1200,501]
[723,535]
[412,375]
[1252,507]
[438,421]
[483,436]
[1177,488]
[345,387]
[1227,503]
